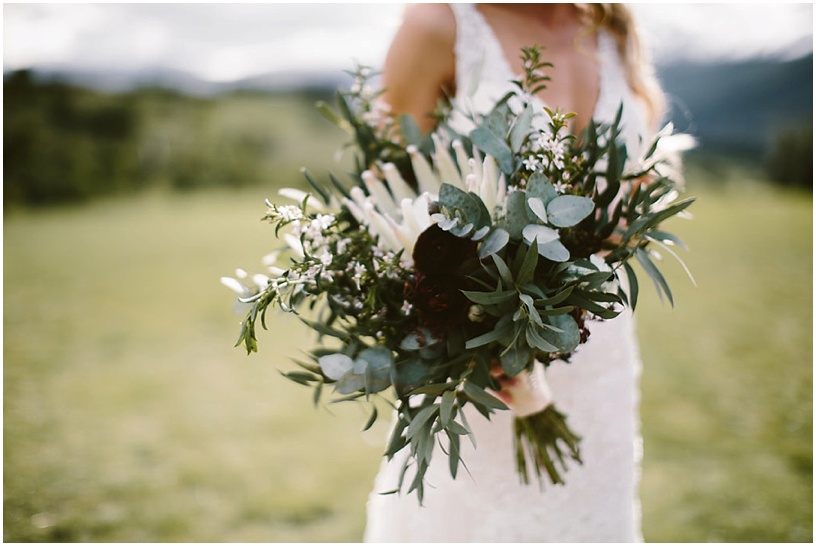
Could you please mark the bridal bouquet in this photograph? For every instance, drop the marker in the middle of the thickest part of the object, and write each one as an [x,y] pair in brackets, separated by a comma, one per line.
[455,259]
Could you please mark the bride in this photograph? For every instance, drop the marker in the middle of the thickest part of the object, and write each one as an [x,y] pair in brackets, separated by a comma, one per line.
[469,53]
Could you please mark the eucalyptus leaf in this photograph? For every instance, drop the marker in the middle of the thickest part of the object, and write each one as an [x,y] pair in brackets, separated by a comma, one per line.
[539,234]
[372,419]
[409,374]
[397,440]
[539,211]
[569,210]
[516,214]
[504,271]
[529,305]
[350,383]
[657,278]
[633,284]
[490,143]
[457,428]
[491,298]
[377,371]
[431,352]
[521,128]
[468,204]
[567,336]
[420,419]
[302,378]
[418,339]
[557,298]
[410,130]
[494,243]
[481,233]
[328,112]
[455,453]
[446,408]
[584,300]
[378,357]
[539,186]
[535,340]
[479,396]
[336,365]
[514,360]
[497,333]
[526,272]
[555,251]
[667,238]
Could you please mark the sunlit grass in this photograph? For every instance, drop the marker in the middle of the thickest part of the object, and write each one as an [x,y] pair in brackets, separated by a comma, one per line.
[727,382]
[129,415]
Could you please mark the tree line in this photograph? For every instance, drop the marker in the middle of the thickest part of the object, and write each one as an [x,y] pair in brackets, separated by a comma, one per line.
[64,143]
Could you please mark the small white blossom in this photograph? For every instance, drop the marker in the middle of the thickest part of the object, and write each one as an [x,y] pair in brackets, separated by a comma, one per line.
[532,163]
[359,270]
[326,258]
[289,212]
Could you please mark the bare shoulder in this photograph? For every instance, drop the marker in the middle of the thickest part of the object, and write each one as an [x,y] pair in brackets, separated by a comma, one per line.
[420,66]
[431,21]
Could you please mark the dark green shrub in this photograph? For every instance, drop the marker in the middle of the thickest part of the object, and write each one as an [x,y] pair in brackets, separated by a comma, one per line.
[791,158]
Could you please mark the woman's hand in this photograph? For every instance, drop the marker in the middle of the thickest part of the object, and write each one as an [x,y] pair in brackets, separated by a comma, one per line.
[526,393]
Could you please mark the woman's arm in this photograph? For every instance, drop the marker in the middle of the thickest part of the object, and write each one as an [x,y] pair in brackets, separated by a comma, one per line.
[420,66]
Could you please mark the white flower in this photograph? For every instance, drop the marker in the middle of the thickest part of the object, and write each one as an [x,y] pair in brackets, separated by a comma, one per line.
[359,270]
[326,257]
[311,202]
[666,159]
[289,213]
[532,163]
[397,214]
[236,286]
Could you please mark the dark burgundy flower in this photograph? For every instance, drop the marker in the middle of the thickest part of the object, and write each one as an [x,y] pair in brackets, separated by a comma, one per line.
[439,302]
[438,252]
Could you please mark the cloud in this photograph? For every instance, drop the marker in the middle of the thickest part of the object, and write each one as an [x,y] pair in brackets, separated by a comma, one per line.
[218,41]
[726,31]
[227,41]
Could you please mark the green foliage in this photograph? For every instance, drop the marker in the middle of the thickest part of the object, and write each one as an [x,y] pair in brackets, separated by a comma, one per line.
[528,231]
[64,144]
[68,144]
[791,158]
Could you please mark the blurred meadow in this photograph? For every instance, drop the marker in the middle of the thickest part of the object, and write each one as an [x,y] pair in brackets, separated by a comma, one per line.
[130,417]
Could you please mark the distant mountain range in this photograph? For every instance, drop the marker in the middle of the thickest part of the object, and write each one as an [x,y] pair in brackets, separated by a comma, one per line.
[737,108]
[740,107]
[116,81]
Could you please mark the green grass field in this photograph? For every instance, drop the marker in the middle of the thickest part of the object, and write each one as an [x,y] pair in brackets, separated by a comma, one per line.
[130,417]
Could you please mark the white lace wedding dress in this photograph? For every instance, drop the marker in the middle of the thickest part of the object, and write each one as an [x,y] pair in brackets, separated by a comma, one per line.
[598,391]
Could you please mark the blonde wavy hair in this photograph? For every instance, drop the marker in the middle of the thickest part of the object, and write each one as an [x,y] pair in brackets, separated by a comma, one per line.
[619,21]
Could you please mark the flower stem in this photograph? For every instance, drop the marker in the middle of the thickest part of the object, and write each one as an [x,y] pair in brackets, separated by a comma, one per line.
[544,437]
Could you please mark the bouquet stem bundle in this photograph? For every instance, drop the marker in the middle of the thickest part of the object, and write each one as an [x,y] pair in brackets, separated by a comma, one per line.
[541,440]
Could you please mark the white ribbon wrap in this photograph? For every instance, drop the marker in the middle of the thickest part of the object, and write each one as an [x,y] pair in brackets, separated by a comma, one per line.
[531,393]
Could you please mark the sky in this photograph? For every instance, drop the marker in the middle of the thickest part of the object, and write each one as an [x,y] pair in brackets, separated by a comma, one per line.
[222,42]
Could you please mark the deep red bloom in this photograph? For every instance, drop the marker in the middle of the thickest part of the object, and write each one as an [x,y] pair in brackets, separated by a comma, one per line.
[438,252]
[439,301]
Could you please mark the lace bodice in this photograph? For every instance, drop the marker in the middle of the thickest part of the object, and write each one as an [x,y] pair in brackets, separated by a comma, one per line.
[483,76]
[597,391]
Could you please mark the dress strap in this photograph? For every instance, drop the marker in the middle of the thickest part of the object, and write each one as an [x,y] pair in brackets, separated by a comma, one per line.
[468,49]
[478,53]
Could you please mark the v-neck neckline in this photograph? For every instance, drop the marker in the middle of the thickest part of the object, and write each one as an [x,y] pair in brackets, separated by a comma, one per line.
[508,67]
